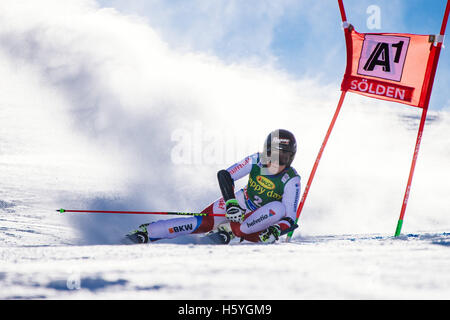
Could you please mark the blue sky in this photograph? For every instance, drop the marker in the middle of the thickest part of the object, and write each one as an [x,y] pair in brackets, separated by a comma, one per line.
[303,38]
[292,36]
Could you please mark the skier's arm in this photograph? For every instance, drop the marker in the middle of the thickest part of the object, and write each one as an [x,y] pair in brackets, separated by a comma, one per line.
[287,223]
[243,168]
[233,211]
[226,182]
[291,196]
[235,172]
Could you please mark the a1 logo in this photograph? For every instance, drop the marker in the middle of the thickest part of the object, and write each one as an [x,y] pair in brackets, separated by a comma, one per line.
[383,56]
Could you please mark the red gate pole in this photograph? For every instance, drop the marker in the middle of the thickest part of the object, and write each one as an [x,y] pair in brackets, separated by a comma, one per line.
[316,163]
[432,67]
[330,128]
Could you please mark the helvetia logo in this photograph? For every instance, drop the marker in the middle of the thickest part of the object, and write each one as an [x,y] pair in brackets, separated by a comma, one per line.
[181,228]
[263,217]
[266,183]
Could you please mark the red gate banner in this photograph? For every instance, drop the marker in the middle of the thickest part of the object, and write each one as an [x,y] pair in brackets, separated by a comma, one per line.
[389,66]
[396,67]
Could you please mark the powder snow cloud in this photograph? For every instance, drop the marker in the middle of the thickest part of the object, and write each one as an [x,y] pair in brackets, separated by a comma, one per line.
[131,102]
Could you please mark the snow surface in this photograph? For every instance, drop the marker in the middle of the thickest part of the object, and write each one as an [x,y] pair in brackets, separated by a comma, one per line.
[40,262]
[74,134]
[43,258]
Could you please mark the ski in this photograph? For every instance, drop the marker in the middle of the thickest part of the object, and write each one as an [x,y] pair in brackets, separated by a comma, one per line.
[221,235]
[135,238]
[216,237]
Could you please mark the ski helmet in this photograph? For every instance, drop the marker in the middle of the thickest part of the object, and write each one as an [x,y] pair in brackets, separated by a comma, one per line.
[280,146]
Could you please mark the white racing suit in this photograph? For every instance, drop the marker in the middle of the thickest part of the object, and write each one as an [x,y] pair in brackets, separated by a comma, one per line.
[267,200]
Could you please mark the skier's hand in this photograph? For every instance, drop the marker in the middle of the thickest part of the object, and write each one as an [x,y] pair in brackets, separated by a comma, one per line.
[234,212]
[271,234]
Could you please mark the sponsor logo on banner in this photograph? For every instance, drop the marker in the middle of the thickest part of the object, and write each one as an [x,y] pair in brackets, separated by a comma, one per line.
[378,88]
[258,188]
[383,56]
[253,185]
[274,195]
[266,183]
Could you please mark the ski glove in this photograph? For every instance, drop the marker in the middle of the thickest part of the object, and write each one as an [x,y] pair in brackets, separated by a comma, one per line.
[234,212]
[271,234]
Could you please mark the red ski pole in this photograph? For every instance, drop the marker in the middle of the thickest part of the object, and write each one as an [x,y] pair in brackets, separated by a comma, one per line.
[144,212]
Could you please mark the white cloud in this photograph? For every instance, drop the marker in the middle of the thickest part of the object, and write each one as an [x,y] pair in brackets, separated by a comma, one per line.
[230,29]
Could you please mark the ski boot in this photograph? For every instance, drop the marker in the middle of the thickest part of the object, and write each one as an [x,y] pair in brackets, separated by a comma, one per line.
[221,235]
[140,235]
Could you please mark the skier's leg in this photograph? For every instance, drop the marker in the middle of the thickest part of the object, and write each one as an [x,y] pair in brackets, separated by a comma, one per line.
[172,228]
[259,220]
[209,223]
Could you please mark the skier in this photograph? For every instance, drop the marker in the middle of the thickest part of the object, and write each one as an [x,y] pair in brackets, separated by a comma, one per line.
[260,212]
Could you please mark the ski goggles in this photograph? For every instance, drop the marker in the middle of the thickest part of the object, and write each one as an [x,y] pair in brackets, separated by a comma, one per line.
[281,157]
